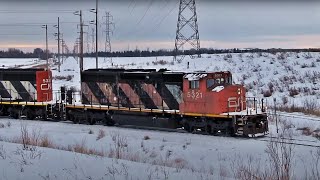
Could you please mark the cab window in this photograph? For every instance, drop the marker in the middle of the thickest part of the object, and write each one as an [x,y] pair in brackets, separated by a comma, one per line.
[194,84]
[210,83]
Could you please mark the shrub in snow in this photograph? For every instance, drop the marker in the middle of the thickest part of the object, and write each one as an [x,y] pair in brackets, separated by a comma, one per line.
[2,125]
[46,142]
[282,56]
[3,153]
[160,62]
[90,131]
[101,134]
[310,105]
[284,100]
[267,93]
[307,55]
[305,131]
[293,92]
[304,65]
[120,145]
[146,137]
[8,124]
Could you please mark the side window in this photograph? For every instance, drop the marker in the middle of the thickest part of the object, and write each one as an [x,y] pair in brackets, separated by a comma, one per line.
[194,84]
[210,83]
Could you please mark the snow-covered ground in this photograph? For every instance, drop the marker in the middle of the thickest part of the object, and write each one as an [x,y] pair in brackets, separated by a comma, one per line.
[20,62]
[149,154]
[176,155]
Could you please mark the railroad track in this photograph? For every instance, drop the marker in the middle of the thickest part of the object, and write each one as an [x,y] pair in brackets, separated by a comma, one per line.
[291,141]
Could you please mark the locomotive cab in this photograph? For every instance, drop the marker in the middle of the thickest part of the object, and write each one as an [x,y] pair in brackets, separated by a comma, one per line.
[211,93]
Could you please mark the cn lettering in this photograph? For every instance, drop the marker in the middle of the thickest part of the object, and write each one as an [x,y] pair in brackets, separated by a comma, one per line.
[46,85]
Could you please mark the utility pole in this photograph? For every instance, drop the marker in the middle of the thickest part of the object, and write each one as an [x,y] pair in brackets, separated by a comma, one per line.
[47,53]
[187,28]
[62,47]
[109,30]
[81,40]
[97,35]
[96,23]
[59,44]
[58,34]
[92,36]
[87,41]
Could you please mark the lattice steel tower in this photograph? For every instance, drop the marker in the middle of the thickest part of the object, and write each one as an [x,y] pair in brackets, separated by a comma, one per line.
[109,30]
[187,28]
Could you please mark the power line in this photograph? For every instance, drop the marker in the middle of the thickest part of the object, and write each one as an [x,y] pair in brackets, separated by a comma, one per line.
[35,11]
[33,24]
[165,16]
[145,13]
[20,34]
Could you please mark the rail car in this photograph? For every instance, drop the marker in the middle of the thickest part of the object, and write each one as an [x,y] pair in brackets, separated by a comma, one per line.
[25,91]
[205,101]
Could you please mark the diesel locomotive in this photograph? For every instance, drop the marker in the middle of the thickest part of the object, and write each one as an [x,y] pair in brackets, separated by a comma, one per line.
[197,101]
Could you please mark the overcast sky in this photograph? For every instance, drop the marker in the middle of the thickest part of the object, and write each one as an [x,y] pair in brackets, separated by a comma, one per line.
[152,23]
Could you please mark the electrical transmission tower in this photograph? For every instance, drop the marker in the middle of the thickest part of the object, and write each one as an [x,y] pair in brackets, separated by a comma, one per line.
[187,28]
[109,30]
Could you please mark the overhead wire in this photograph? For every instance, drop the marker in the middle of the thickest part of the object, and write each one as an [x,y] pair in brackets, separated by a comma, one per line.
[20,34]
[145,13]
[164,17]
[35,11]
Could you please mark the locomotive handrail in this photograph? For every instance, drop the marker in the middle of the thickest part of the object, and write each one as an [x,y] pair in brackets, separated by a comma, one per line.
[251,103]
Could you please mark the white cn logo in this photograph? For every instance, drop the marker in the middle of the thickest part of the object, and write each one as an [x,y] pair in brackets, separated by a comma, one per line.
[45,85]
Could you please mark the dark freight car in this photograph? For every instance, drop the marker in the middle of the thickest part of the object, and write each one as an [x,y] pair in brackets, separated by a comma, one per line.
[134,88]
[25,92]
[25,85]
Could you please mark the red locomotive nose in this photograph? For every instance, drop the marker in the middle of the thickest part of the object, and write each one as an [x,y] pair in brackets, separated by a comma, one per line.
[44,86]
[210,93]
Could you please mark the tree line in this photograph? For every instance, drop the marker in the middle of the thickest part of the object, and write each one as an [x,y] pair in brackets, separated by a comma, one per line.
[41,54]
[17,53]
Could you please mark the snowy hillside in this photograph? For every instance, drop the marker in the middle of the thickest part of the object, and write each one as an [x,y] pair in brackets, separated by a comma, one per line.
[291,78]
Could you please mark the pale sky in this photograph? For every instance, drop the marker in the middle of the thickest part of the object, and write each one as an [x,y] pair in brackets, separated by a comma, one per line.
[152,23]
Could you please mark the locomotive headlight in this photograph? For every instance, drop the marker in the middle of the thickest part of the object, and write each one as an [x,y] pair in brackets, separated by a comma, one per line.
[239,91]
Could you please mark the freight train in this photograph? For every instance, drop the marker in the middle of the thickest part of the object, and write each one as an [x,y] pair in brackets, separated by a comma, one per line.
[197,101]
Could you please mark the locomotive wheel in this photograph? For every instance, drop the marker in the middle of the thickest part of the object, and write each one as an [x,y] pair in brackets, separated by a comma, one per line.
[90,118]
[208,129]
[1,110]
[187,127]
[29,114]
[44,116]
[14,115]
[110,122]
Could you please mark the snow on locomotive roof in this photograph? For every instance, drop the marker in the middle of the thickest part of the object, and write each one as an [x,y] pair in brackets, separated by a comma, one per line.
[193,77]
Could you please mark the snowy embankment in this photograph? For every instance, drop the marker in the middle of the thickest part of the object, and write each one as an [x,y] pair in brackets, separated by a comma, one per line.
[291,78]
[121,153]
[129,153]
